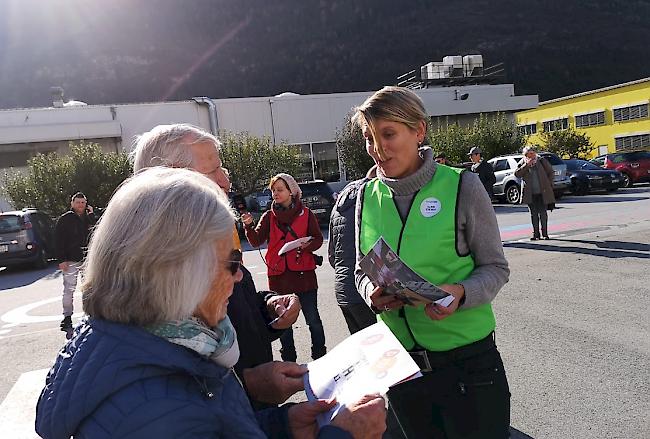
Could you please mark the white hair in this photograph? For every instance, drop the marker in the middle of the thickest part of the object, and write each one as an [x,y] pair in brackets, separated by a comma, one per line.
[168,145]
[152,256]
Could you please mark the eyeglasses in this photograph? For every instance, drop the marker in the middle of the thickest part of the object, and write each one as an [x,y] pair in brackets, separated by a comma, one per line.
[235,261]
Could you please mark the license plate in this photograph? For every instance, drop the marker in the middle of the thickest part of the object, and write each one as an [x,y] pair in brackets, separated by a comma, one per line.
[614,180]
[319,210]
[4,248]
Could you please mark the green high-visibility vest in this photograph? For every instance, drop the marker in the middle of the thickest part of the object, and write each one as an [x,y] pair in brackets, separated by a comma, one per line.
[426,242]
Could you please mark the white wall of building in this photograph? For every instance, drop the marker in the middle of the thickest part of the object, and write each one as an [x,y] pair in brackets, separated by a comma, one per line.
[308,120]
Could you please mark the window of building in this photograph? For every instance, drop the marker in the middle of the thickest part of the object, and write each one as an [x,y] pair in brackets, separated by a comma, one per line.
[630,113]
[318,161]
[528,129]
[590,120]
[556,124]
[326,161]
[306,171]
[633,142]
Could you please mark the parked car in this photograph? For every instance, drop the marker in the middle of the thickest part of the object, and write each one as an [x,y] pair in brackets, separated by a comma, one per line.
[508,186]
[319,197]
[260,201]
[634,165]
[587,177]
[26,237]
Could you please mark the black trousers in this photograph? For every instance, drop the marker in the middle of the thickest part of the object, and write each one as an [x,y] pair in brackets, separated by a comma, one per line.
[465,398]
[538,214]
[358,316]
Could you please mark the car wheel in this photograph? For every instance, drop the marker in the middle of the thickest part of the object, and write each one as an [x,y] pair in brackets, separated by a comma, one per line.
[41,260]
[513,194]
[580,187]
[627,181]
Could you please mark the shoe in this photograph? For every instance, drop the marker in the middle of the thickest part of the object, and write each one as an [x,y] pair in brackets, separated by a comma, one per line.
[317,353]
[288,355]
[534,238]
[66,323]
[546,237]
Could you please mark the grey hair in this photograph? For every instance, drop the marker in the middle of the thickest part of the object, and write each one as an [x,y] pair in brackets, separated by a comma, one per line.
[168,145]
[152,256]
[528,149]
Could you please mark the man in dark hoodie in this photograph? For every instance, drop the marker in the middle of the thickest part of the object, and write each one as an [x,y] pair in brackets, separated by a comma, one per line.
[72,230]
[341,254]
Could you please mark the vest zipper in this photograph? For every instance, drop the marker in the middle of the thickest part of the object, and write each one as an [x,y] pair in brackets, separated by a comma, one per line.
[402,313]
[401,232]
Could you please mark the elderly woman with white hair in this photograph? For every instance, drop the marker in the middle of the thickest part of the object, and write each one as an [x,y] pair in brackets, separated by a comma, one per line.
[154,356]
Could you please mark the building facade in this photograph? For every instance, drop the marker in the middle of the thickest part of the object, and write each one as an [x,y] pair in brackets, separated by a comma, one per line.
[307,121]
[614,118]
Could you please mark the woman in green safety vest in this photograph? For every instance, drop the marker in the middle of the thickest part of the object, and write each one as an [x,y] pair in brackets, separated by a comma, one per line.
[441,223]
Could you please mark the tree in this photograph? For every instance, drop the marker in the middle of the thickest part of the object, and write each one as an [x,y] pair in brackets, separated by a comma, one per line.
[495,134]
[51,179]
[252,161]
[350,145]
[567,143]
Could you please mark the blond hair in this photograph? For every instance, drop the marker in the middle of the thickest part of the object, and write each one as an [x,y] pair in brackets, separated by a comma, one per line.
[152,256]
[395,104]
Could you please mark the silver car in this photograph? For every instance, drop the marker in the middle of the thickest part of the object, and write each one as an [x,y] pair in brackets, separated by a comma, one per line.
[26,237]
[508,187]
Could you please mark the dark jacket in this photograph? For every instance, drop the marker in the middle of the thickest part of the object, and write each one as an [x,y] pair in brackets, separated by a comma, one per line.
[71,234]
[112,380]
[545,174]
[485,173]
[341,250]
[249,315]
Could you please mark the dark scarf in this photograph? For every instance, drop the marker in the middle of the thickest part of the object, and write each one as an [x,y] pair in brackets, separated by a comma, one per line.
[286,215]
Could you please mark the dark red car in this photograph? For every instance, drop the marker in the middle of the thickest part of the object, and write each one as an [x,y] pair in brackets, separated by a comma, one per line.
[634,165]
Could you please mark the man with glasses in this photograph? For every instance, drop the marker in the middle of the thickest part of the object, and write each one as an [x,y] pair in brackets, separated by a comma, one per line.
[258,318]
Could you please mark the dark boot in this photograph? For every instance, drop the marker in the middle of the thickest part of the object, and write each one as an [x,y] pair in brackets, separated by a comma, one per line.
[316,353]
[288,355]
[66,323]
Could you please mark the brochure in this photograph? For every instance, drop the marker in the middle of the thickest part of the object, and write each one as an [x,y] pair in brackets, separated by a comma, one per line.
[287,247]
[385,269]
[369,361]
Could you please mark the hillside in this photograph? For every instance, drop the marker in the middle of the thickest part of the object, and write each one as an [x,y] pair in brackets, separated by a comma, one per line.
[132,51]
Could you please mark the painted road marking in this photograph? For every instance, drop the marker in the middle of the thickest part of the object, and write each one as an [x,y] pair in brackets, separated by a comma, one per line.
[18,410]
[20,315]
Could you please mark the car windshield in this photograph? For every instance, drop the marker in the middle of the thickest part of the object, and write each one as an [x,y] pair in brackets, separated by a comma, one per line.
[572,165]
[587,166]
[9,223]
[311,189]
[555,160]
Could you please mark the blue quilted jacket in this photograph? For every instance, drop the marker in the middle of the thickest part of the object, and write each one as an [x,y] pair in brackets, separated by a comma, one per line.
[118,381]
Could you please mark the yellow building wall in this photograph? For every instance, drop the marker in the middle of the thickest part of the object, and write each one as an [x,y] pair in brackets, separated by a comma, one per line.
[601,135]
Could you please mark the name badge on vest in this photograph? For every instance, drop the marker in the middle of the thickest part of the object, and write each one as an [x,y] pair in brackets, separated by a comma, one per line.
[430,207]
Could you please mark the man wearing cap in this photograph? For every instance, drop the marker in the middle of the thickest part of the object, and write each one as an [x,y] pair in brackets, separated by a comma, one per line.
[483,169]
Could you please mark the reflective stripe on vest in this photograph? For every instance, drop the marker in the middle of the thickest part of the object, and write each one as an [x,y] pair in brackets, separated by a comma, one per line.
[292,260]
[426,242]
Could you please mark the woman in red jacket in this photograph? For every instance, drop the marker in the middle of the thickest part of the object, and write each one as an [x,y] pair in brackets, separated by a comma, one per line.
[293,272]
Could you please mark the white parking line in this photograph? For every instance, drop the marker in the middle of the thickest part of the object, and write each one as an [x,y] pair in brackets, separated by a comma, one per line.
[20,315]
